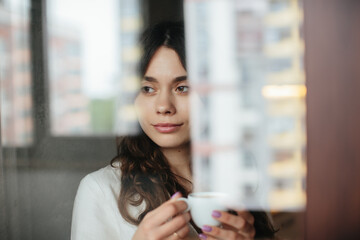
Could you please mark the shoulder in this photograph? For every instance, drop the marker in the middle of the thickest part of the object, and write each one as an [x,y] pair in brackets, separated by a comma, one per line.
[105,181]
[95,212]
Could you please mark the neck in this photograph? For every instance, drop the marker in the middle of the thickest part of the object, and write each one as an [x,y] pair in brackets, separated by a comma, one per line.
[179,160]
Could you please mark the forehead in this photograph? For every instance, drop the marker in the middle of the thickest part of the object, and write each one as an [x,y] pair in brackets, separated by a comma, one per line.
[165,62]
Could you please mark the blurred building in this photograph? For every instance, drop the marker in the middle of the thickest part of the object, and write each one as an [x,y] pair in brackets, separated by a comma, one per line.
[79,60]
[131,27]
[268,106]
[285,93]
[250,57]
[69,106]
[15,77]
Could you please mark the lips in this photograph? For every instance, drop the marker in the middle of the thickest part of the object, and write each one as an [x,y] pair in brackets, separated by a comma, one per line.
[167,127]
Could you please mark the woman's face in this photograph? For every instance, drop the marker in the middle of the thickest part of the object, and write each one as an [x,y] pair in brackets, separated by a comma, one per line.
[163,102]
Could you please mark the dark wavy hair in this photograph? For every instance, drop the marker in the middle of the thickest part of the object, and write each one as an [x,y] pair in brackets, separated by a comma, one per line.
[145,172]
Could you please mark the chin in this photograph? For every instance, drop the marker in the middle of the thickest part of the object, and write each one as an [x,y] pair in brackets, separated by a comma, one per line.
[171,143]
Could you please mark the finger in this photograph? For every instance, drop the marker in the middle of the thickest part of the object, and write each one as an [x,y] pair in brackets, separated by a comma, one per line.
[243,213]
[166,211]
[183,232]
[207,237]
[165,214]
[174,236]
[219,233]
[175,225]
[239,223]
[247,216]
[175,196]
[172,199]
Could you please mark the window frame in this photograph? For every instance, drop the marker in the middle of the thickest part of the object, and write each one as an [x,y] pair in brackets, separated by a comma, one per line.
[49,151]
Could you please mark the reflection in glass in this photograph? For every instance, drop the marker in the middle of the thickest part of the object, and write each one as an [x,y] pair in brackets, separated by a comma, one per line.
[92,56]
[245,63]
[15,74]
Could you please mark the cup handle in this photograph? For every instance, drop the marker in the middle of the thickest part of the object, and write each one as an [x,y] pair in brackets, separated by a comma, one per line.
[187,203]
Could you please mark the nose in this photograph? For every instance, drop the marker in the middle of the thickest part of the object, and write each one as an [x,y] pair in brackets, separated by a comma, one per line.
[165,104]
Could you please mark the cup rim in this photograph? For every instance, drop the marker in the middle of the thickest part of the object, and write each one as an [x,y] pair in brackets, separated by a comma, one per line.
[211,194]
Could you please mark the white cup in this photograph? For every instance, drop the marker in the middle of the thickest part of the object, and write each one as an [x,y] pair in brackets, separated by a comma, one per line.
[202,204]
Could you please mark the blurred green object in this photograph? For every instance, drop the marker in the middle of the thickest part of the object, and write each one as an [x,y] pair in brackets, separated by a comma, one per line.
[102,115]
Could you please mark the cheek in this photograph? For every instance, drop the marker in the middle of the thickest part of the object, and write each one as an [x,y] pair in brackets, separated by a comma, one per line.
[139,105]
[184,109]
[142,108]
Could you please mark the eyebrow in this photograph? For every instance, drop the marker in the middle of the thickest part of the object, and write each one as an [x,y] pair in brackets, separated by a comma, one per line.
[177,79]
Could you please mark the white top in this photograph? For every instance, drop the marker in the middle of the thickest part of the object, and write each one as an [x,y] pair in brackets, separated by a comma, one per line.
[96,214]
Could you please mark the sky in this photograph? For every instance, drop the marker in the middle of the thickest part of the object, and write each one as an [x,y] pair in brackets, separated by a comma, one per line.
[97,22]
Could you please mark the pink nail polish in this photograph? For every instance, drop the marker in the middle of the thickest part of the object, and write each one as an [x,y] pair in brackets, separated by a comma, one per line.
[175,194]
[202,236]
[206,228]
[216,214]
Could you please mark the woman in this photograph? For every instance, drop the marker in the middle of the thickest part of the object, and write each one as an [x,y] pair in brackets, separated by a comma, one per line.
[135,197]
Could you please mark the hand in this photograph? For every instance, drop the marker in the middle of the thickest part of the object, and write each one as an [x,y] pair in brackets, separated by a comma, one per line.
[165,222]
[233,227]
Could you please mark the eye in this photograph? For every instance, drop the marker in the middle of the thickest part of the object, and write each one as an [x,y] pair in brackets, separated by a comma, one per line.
[147,89]
[182,89]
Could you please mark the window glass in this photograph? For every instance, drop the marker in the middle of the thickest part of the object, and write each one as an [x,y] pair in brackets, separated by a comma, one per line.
[15,74]
[248,130]
[245,64]
[91,58]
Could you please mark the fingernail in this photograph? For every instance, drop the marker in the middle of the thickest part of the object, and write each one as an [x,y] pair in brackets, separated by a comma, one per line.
[206,228]
[175,194]
[202,236]
[216,214]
